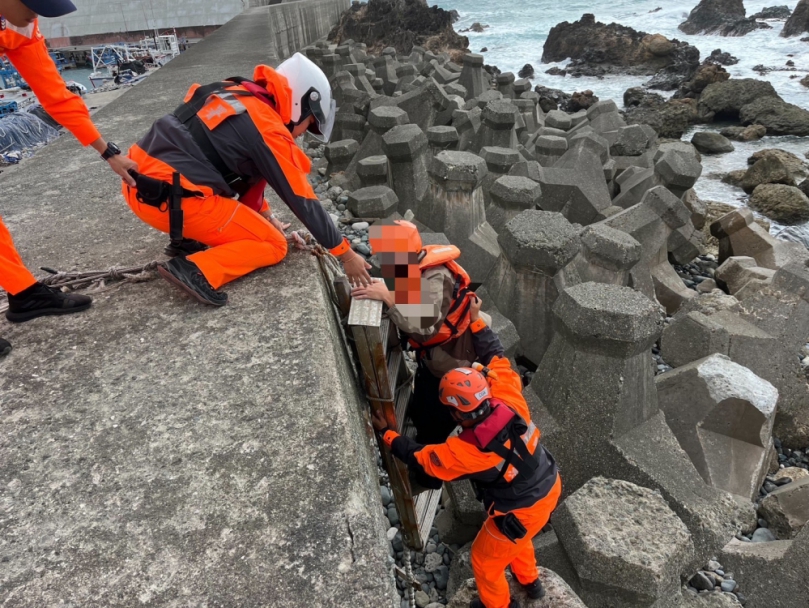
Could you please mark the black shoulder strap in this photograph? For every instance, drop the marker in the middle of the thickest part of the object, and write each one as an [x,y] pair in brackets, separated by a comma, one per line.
[526,464]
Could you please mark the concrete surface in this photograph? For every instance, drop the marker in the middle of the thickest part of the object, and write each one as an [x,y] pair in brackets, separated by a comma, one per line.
[156,452]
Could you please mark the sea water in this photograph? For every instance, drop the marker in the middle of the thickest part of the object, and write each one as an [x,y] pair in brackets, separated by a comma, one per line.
[518,29]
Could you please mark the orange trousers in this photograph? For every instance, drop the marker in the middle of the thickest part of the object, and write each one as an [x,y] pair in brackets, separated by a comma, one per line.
[492,552]
[14,276]
[240,239]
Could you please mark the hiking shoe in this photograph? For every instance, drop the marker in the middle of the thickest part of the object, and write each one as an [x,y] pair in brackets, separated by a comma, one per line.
[184,248]
[40,300]
[5,347]
[187,276]
[476,603]
[534,590]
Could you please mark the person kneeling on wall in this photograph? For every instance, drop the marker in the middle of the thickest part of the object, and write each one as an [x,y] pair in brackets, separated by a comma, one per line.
[499,451]
[203,170]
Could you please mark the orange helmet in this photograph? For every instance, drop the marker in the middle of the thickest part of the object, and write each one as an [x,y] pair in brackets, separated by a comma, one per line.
[465,390]
[399,236]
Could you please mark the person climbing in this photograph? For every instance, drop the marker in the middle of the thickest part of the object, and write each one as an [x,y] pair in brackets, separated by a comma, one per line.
[24,46]
[428,298]
[204,168]
[500,452]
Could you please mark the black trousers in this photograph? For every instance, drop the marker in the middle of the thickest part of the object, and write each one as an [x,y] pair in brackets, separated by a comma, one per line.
[431,418]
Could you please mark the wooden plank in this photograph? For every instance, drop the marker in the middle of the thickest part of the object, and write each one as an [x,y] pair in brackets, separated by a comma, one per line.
[402,401]
[342,291]
[426,504]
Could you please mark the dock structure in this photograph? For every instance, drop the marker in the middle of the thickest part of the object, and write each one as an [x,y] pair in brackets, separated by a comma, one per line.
[155,452]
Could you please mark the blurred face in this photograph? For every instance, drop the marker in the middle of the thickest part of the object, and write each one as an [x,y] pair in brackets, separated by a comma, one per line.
[16,13]
[402,275]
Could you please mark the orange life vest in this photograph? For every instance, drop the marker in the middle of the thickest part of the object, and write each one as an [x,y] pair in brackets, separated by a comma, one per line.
[458,319]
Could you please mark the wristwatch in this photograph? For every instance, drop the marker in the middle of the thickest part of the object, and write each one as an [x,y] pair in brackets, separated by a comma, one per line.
[112,150]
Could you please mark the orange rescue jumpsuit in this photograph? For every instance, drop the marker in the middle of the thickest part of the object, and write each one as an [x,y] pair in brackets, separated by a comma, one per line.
[456,459]
[25,48]
[252,138]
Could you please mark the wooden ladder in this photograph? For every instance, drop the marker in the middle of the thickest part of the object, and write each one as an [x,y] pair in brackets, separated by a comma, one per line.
[388,386]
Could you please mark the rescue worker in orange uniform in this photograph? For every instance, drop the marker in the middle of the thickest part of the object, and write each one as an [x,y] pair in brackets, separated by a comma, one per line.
[499,450]
[22,43]
[428,298]
[206,165]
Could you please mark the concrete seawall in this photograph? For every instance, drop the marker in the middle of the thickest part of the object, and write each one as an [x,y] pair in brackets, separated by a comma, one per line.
[155,452]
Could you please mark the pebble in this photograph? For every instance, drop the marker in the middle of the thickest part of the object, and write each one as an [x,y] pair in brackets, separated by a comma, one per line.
[763,535]
[701,582]
[728,585]
[387,497]
[341,207]
[430,548]
[363,249]
[391,533]
[713,566]
[360,226]
[442,577]
[393,516]
[762,523]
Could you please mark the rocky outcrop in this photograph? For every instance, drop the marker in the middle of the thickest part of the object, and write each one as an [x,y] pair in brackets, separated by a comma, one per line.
[773,12]
[724,100]
[722,17]
[778,116]
[708,73]
[401,24]
[669,118]
[722,58]
[597,49]
[798,23]
[794,163]
[781,203]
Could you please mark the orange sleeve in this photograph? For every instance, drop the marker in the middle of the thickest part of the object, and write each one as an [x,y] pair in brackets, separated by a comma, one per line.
[35,65]
[508,386]
[477,325]
[453,459]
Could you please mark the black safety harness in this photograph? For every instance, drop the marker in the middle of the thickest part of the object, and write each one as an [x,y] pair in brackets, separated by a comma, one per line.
[168,196]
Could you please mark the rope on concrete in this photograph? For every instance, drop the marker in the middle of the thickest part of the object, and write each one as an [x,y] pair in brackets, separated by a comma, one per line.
[95,279]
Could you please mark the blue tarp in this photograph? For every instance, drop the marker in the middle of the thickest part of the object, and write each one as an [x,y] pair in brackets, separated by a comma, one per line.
[21,132]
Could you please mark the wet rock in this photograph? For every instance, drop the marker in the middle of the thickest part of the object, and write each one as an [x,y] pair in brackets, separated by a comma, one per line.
[527,71]
[401,24]
[722,58]
[581,100]
[769,169]
[796,165]
[711,142]
[778,116]
[781,203]
[763,535]
[798,22]
[669,119]
[751,133]
[773,12]
[722,17]
[724,100]
[597,49]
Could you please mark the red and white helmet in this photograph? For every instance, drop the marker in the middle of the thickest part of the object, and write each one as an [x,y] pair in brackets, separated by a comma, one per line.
[311,94]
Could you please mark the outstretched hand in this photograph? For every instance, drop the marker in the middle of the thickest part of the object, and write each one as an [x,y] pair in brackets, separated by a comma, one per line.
[356,268]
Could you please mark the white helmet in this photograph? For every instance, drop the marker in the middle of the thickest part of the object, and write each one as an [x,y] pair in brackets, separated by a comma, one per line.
[311,94]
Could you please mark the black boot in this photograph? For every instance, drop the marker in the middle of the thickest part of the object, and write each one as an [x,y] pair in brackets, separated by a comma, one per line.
[534,590]
[187,276]
[5,347]
[40,300]
[183,248]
